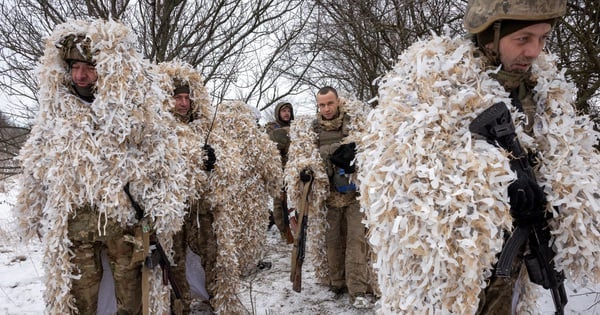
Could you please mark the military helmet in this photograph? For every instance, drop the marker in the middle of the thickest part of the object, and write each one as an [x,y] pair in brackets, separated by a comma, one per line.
[76,48]
[480,14]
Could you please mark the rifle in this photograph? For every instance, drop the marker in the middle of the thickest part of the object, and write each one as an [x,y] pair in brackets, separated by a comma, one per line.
[156,256]
[298,252]
[495,125]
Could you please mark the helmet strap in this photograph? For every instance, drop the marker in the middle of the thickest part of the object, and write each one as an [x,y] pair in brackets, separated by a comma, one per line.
[497,26]
[85,93]
[493,53]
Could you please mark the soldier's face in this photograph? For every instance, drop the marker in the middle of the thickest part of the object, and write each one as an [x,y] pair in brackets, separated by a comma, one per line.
[83,74]
[182,103]
[285,114]
[328,105]
[518,50]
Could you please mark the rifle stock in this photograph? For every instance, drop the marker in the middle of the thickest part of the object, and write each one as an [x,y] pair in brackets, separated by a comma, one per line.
[298,252]
[297,281]
[159,257]
[496,126]
[156,255]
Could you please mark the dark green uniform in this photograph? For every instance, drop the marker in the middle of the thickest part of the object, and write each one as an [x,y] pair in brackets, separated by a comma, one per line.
[278,131]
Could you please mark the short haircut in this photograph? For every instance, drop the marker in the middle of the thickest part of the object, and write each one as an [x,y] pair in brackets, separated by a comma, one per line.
[326,89]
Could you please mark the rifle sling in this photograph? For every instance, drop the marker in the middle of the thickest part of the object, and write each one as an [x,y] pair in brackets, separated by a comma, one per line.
[145,270]
[302,216]
[303,204]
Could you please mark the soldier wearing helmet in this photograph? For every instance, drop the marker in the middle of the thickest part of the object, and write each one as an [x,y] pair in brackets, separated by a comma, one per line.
[424,173]
[96,183]
[512,35]
[490,23]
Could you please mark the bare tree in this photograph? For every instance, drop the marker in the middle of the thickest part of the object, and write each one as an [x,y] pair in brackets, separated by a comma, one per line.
[12,137]
[238,45]
[359,40]
[577,42]
[220,37]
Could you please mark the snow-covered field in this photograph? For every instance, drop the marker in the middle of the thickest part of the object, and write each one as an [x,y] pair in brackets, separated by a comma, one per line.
[264,292]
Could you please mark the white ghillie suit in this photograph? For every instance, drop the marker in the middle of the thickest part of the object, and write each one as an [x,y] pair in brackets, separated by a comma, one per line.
[436,198]
[262,180]
[82,154]
[247,173]
[192,135]
[304,154]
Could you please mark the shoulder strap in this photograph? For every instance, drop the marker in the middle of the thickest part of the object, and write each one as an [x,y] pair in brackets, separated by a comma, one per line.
[345,124]
[316,127]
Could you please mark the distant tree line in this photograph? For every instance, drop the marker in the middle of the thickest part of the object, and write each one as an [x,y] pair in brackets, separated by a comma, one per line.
[12,137]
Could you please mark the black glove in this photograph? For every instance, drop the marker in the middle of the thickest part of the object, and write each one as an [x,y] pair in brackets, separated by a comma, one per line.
[305,175]
[527,201]
[209,163]
[343,156]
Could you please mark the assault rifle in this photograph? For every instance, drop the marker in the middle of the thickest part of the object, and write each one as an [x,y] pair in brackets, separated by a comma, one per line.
[299,250]
[156,256]
[495,125]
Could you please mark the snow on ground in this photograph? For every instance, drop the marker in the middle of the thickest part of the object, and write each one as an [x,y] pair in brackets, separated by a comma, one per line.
[267,291]
[21,267]
[271,290]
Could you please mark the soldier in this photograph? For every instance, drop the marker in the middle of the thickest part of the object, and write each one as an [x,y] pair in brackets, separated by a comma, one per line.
[223,226]
[196,241]
[98,130]
[443,199]
[326,150]
[278,130]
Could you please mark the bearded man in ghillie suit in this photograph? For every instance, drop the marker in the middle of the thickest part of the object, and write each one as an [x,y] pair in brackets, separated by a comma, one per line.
[227,219]
[441,200]
[278,130]
[90,140]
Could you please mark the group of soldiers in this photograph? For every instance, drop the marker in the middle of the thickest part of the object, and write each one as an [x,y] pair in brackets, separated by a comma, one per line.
[412,203]
[129,160]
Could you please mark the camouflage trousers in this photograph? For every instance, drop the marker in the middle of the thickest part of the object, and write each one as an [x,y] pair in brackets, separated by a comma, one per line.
[198,234]
[278,216]
[347,249]
[87,247]
[498,297]
[178,272]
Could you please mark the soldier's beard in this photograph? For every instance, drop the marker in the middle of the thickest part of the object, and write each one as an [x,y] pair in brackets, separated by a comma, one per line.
[85,92]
